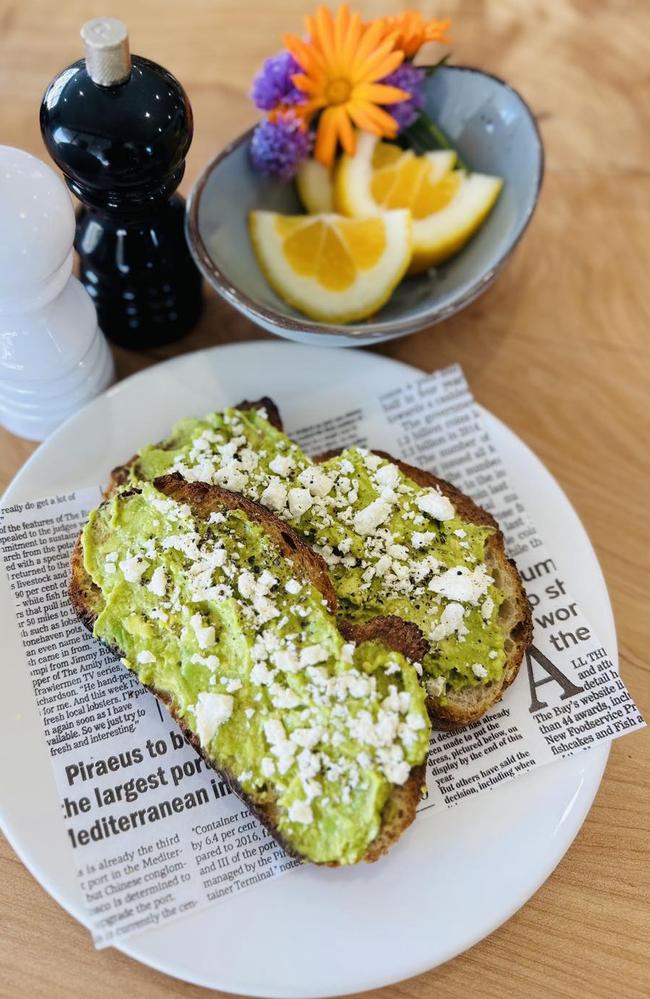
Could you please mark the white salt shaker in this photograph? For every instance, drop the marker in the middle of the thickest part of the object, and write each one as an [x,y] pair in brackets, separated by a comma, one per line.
[53,356]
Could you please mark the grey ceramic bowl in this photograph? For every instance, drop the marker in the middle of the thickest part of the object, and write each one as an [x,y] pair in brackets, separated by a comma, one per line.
[494,131]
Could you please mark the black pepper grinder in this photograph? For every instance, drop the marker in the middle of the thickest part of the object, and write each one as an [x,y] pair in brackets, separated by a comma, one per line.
[119,127]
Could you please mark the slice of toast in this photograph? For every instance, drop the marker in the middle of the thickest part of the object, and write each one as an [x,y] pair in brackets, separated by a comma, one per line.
[399,810]
[461,707]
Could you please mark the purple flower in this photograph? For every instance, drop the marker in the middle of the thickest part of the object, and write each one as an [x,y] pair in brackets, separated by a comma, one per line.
[273,86]
[279,146]
[406,77]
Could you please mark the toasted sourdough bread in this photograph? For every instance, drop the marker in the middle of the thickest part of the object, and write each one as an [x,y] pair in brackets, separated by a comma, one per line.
[399,810]
[457,707]
[461,707]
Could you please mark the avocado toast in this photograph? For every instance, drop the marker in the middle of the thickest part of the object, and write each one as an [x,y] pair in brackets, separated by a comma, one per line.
[398,542]
[228,617]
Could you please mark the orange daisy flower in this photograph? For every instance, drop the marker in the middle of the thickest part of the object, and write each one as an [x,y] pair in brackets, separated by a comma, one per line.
[411,31]
[341,62]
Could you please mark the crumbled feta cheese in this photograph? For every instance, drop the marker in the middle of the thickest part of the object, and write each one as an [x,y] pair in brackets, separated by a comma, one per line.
[367,521]
[249,712]
[205,634]
[212,710]
[371,461]
[246,584]
[347,652]
[283,697]
[461,583]
[316,481]
[308,764]
[281,464]
[300,811]
[451,620]
[187,544]
[306,737]
[492,654]
[266,582]
[284,753]
[158,582]
[288,660]
[460,533]
[421,538]
[300,500]
[261,675]
[396,768]
[479,671]
[487,608]
[275,495]
[293,586]
[267,766]
[145,657]
[231,477]
[311,655]
[435,504]
[274,731]
[132,568]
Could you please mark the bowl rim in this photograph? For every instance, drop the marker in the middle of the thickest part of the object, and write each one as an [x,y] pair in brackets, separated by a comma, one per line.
[271,319]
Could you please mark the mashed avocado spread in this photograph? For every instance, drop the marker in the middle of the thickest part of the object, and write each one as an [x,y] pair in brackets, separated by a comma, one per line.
[392,546]
[211,614]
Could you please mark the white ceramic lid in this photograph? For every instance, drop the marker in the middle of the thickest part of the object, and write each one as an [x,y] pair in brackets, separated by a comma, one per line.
[36,221]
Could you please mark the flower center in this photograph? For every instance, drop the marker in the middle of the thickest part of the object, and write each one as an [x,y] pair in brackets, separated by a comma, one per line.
[338,91]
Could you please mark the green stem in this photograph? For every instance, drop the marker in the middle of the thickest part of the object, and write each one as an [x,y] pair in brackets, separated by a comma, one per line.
[424,130]
[430,68]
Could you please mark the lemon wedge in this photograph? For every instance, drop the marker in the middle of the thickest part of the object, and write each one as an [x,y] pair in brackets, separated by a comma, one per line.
[315,187]
[332,268]
[447,205]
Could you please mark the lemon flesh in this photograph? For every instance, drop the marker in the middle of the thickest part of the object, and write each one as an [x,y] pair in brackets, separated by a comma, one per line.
[333,268]
[315,187]
[447,205]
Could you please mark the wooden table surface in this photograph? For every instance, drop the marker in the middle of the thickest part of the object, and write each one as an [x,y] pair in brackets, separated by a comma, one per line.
[559,349]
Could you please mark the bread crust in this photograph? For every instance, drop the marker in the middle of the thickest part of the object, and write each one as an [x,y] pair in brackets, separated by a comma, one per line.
[85,596]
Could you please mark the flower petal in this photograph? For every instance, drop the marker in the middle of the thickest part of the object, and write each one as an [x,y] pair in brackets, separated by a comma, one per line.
[384,123]
[326,137]
[323,27]
[346,132]
[365,48]
[381,63]
[305,83]
[350,38]
[380,93]
[309,57]
[358,113]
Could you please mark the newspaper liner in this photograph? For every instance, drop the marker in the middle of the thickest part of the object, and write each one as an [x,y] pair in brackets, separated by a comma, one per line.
[153,832]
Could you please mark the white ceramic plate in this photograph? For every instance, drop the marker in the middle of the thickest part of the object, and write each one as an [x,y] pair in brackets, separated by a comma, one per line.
[453,878]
